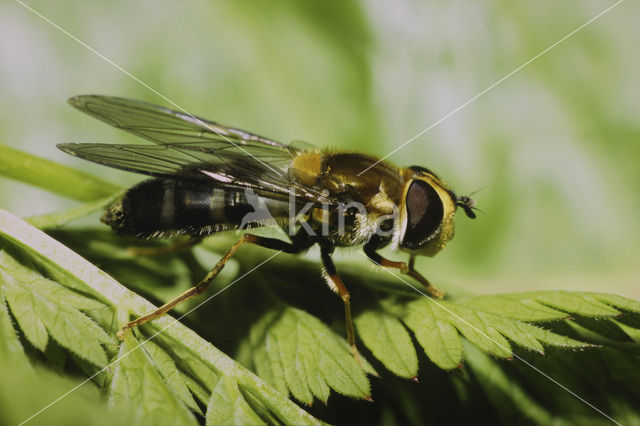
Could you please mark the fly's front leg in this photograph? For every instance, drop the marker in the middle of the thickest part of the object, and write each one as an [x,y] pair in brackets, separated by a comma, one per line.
[272,243]
[404,268]
[338,286]
[438,294]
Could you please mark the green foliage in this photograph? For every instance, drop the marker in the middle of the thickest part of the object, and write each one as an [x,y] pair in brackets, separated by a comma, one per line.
[56,296]
[555,145]
[388,341]
[43,308]
[142,378]
[297,353]
[58,309]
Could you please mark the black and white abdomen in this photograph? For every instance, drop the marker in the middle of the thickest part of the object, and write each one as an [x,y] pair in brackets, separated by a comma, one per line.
[167,207]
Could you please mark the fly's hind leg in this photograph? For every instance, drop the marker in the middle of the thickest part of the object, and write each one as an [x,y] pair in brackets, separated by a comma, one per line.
[166,249]
[192,292]
[370,251]
[338,286]
[272,243]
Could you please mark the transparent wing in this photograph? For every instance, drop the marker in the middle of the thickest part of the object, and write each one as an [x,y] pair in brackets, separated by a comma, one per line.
[164,126]
[182,161]
[190,147]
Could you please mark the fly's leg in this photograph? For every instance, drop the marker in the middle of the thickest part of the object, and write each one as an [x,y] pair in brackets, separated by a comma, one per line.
[168,249]
[192,292]
[338,286]
[438,294]
[272,243]
[404,268]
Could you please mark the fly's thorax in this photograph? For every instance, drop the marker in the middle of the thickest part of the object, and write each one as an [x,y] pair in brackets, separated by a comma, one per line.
[306,167]
[426,215]
[340,173]
[363,202]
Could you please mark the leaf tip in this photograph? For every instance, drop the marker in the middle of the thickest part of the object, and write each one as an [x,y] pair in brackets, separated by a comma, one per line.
[368,398]
[415,379]
[586,346]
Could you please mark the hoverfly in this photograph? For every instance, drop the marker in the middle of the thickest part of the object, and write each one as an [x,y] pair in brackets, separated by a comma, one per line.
[205,178]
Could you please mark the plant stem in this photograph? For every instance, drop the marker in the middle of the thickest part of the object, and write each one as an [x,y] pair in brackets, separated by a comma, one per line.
[52,177]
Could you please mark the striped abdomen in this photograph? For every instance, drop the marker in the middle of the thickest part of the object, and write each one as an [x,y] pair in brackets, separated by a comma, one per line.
[166,207]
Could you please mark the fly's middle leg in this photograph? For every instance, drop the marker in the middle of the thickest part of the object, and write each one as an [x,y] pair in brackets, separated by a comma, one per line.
[339,287]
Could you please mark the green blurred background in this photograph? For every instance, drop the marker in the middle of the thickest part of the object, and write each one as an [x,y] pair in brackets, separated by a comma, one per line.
[555,147]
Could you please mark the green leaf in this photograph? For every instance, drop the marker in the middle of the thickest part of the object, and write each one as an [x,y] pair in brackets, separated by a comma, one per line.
[580,303]
[196,388]
[138,389]
[437,325]
[43,307]
[389,342]
[227,406]
[166,365]
[201,376]
[633,333]
[474,325]
[439,339]
[554,339]
[477,327]
[10,346]
[546,305]
[504,393]
[522,306]
[23,308]
[619,302]
[297,353]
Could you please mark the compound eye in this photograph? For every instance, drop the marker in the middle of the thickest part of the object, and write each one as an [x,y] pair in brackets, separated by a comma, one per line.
[425,213]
